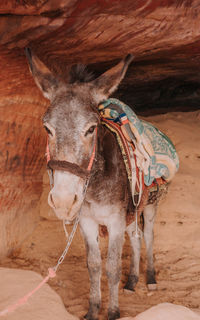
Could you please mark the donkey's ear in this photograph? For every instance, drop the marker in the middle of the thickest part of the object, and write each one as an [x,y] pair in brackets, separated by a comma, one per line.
[43,77]
[109,81]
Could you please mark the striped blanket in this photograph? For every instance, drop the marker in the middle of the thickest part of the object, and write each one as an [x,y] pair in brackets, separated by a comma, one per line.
[155,154]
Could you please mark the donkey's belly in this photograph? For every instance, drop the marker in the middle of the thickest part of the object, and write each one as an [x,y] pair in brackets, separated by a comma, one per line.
[105,214]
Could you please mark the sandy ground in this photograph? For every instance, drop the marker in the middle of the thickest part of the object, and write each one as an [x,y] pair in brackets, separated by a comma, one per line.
[176,248]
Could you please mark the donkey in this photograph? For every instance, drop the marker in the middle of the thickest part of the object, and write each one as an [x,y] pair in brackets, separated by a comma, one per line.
[71,122]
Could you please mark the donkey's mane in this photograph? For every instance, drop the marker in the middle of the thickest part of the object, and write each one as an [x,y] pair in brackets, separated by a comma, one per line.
[80,73]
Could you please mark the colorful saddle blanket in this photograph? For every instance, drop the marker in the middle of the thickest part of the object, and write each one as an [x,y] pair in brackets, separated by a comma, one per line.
[155,154]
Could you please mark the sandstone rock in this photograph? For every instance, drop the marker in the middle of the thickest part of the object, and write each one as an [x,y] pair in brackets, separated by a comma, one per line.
[45,304]
[166,311]
[22,149]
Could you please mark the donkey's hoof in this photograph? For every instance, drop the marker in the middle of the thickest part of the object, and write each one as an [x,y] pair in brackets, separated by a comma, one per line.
[113,314]
[131,283]
[152,286]
[128,289]
[151,277]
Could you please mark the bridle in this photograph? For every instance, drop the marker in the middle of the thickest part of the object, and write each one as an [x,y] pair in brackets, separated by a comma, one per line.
[71,167]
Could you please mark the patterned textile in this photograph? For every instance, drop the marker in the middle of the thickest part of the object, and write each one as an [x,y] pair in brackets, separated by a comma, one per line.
[155,154]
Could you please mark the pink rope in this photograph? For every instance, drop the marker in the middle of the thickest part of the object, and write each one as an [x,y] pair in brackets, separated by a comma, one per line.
[22,301]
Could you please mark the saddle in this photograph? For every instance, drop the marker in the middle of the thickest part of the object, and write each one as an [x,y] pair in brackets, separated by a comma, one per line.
[150,157]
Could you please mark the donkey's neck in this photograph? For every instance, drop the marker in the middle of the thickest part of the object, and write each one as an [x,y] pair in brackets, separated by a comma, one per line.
[109,182]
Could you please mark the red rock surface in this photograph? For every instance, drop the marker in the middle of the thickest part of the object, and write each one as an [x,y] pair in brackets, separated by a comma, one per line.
[22,148]
[164,36]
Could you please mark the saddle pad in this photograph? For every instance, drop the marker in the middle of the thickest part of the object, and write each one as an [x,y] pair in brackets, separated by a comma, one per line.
[155,153]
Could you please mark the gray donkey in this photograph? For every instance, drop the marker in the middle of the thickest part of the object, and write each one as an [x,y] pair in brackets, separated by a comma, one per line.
[71,121]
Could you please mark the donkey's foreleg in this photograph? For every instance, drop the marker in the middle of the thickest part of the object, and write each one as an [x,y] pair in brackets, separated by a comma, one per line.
[135,257]
[149,217]
[90,231]
[113,266]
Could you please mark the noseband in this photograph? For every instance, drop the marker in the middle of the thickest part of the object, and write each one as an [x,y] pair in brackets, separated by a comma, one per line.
[73,168]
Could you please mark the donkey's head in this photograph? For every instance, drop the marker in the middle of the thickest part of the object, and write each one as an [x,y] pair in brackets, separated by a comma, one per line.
[71,121]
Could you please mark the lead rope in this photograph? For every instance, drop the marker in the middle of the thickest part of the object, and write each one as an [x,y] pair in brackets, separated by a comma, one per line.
[52,271]
[71,236]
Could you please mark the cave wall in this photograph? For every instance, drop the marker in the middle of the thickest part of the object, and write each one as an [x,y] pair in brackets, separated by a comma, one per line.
[163,35]
[22,149]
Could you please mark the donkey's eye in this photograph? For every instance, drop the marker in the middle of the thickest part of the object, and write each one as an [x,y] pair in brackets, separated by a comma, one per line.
[90,130]
[48,130]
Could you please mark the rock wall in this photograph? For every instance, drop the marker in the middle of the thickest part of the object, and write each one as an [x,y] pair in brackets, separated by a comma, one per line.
[22,149]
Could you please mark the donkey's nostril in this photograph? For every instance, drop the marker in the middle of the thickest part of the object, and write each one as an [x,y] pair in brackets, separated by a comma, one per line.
[57,203]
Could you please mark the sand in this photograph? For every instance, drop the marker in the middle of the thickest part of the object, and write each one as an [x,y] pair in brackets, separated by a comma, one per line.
[176,248]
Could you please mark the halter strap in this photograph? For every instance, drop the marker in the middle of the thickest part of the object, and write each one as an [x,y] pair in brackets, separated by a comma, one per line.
[69,166]
[93,153]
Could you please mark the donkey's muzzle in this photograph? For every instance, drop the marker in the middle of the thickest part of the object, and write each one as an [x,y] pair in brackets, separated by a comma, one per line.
[68,167]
